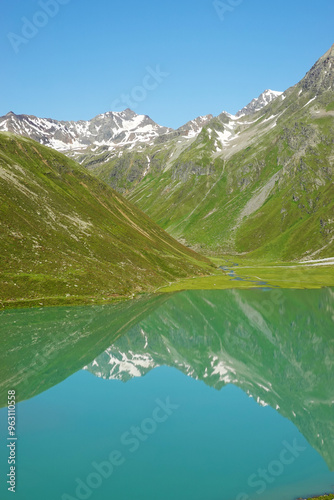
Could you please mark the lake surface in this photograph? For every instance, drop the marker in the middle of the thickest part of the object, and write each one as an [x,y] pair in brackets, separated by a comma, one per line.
[201,395]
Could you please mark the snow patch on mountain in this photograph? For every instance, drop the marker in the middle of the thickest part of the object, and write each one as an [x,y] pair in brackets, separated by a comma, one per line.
[192,128]
[259,102]
[117,132]
[111,129]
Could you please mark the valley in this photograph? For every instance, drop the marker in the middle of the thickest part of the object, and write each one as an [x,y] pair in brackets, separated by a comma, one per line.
[259,183]
[167,250]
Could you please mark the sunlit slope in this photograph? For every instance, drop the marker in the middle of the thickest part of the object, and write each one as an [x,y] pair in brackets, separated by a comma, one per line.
[66,235]
[267,190]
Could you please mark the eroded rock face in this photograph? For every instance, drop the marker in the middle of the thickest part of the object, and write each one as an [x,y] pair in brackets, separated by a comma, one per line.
[321,76]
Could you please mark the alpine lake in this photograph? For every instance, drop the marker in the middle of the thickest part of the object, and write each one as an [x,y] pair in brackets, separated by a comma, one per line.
[194,395]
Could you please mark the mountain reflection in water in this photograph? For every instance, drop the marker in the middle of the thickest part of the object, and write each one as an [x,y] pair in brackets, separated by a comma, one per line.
[276,346]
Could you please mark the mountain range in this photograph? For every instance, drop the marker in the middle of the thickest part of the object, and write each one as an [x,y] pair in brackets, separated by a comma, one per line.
[111,131]
[258,183]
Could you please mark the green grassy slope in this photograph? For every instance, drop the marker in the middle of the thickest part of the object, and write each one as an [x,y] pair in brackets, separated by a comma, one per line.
[65,235]
[269,193]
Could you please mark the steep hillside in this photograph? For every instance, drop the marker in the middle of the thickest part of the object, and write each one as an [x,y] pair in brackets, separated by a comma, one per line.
[65,235]
[260,183]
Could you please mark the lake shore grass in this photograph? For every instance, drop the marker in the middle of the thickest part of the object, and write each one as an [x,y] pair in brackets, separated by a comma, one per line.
[323,497]
[243,274]
[55,301]
[231,272]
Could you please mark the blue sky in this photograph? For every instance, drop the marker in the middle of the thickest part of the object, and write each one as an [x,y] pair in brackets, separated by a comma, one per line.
[91,57]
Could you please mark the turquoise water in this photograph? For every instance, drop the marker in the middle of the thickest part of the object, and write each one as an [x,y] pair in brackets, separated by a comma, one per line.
[218,395]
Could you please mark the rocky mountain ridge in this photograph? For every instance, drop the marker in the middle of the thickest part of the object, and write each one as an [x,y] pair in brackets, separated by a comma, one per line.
[259,182]
[258,103]
[109,131]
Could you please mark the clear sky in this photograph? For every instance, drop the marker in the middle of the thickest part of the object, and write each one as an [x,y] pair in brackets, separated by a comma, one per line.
[174,60]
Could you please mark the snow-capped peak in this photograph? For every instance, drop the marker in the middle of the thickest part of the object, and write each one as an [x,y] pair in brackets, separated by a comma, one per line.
[193,127]
[259,102]
[115,131]
[111,129]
